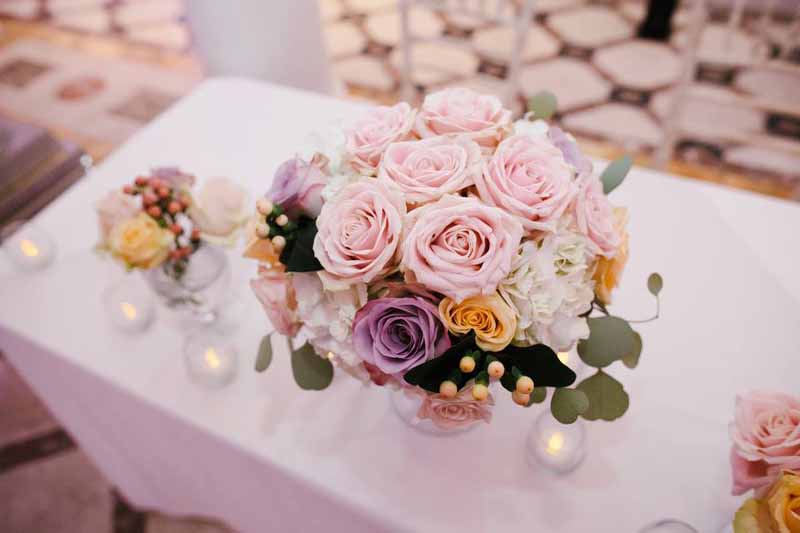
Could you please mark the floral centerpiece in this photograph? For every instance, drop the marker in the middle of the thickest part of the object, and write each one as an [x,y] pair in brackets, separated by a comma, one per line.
[440,249]
[765,459]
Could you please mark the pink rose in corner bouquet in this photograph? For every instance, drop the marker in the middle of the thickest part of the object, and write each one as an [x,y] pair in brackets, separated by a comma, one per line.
[449,248]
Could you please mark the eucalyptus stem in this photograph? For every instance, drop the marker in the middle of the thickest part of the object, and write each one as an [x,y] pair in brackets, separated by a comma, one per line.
[658,313]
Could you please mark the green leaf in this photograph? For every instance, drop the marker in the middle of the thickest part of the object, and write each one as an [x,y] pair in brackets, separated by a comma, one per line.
[567,404]
[610,338]
[607,399]
[298,255]
[615,172]
[543,104]
[538,395]
[655,283]
[264,357]
[311,372]
[429,375]
[632,359]
[539,362]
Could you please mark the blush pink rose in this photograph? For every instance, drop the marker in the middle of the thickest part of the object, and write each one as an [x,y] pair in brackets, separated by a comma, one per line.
[358,233]
[459,246]
[273,288]
[460,111]
[428,169]
[115,207]
[766,439]
[454,413]
[594,217]
[528,177]
[369,137]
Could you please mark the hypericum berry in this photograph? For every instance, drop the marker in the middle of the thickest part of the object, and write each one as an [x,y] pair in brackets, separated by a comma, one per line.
[264,206]
[163,192]
[176,228]
[142,181]
[175,254]
[448,389]
[154,211]
[128,189]
[196,234]
[480,392]
[148,198]
[282,220]
[524,385]
[467,364]
[496,369]
[262,230]
[279,241]
[521,398]
[156,183]
[174,207]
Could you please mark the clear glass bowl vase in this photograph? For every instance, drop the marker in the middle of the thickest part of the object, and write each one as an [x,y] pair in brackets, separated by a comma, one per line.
[407,406]
[196,294]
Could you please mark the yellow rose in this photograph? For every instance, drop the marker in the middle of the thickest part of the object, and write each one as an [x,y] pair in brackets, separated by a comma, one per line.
[490,317]
[607,272]
[778,512]
[140,242]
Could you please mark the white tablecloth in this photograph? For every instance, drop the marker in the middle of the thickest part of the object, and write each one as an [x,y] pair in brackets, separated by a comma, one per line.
[266,456]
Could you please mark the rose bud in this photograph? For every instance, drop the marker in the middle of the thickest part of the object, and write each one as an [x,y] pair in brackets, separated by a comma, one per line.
[154,211]
[142,181]
[176,228]
[163,192]
[174,207]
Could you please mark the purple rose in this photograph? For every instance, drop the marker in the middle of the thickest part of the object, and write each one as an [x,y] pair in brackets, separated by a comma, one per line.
[569,148]
[297,185]
[397,334]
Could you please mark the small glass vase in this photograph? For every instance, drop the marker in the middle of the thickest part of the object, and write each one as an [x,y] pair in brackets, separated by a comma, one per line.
[196,294]
[406,404]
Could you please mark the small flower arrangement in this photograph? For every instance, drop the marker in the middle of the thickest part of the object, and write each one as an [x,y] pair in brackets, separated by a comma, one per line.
[158,221]
[441,249]
[765,458]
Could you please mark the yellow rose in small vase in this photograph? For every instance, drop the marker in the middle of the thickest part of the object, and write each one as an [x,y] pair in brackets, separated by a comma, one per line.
[490,317]
[140,242]
[778,512]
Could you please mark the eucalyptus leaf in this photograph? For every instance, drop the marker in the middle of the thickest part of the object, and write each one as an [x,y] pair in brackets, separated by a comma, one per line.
[632,359]
[610,338]
[543,104]
[538,395]
[264,357]
[607,398]
[615,173]
[311,372]
[655,283]
[568,404]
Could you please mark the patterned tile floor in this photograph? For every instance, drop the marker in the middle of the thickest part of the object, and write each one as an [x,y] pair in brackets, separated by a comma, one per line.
[614,92]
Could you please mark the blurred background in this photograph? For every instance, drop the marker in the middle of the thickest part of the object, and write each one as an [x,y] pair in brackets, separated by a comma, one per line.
[705,89]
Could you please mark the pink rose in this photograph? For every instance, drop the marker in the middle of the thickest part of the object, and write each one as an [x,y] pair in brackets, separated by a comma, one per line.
[273,288]
[594,217]
[459,246]
[297,185]
[358,232]
[766,439]
[528,177]
[482,117]
[370,136]
[428,169]
[115,207]
[447,413]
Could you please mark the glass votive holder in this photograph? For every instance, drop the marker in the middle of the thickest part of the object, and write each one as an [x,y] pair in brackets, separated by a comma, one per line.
[668,525]
[129,305]
[211,358]
[572,360]
[558,447]
[27,246]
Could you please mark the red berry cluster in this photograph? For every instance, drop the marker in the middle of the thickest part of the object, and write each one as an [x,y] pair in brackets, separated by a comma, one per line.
[167,205]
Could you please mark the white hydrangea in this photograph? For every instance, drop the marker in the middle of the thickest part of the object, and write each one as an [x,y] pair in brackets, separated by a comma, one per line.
[327,318]
[534,128]
[550,285]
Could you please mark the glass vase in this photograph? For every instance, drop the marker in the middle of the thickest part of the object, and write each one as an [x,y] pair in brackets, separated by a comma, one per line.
[197,292]
[406,403]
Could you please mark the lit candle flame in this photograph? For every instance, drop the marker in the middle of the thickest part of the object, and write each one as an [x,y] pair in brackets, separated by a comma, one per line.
[28,248]
[563,357]
[129,310]
[212,359]
[330,356]
[555,443]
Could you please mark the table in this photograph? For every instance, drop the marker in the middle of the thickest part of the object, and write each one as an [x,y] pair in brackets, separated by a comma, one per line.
[265,456]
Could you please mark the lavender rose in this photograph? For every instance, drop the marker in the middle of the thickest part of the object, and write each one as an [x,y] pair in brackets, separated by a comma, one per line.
[397,334]
[298,185]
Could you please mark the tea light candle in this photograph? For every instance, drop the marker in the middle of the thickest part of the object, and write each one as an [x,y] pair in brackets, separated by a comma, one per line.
[129,305]
[558,447]
[211,359]
[27,246]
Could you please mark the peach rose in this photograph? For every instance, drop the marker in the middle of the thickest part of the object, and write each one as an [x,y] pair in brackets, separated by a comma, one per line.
[113,208]
[607,272]
[428,169]
[454,413]
[528,177]
[594,217]
[359,232]
[273,288]
[490,317]
[459,246]
[778,512]
[460,111]
[140,242]
[370,136]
